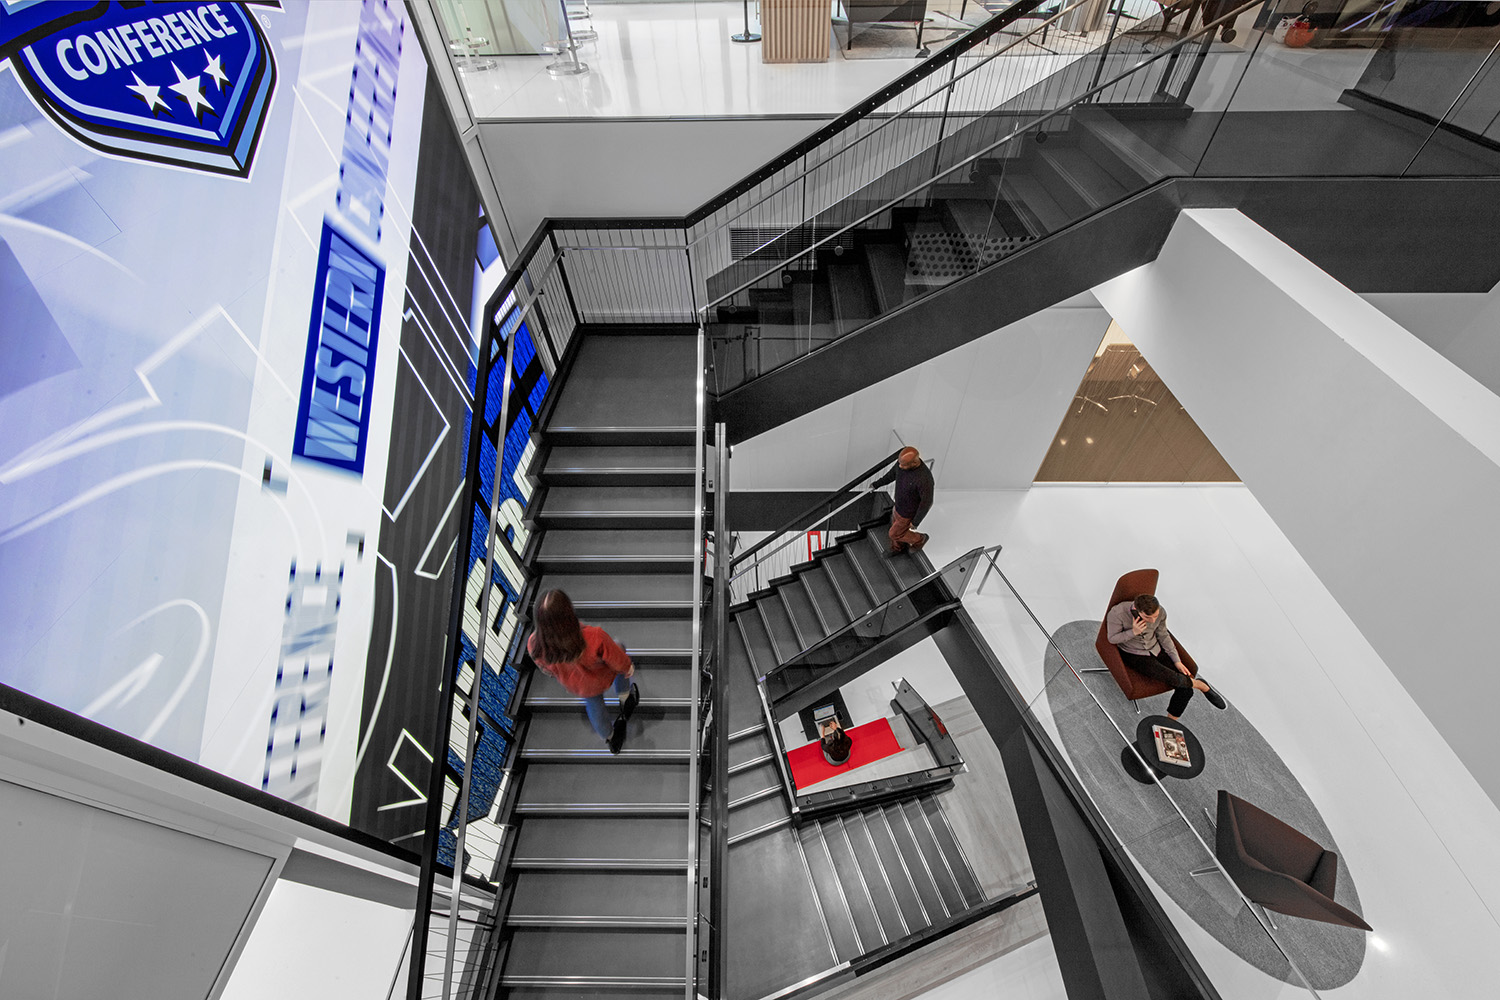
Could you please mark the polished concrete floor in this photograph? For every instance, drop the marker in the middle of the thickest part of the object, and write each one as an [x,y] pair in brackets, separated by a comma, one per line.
[676,59]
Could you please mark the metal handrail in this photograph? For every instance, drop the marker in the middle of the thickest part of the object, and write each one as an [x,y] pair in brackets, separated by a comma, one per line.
[690,958]
[1170,50]
[794,538]
[1044,26]
[719,869]
[809,512]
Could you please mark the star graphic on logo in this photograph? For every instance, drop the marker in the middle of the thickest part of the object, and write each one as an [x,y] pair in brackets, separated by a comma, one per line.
[151,95]
[215,71]
[190,92]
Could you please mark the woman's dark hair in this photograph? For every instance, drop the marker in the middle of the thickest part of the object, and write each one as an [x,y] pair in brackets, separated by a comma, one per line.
[1146,604]
[559,637]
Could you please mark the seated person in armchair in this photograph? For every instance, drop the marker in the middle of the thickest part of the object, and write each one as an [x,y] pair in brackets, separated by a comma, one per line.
[1139,628]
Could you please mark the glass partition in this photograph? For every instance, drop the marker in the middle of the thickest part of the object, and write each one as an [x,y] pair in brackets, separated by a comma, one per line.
[1358,89]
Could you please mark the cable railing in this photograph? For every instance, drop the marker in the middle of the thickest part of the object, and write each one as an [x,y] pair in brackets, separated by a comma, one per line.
[1005,72]
[881,118]
[1013,120]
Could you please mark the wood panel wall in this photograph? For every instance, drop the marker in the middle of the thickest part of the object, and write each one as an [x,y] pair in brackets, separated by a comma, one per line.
[795,30]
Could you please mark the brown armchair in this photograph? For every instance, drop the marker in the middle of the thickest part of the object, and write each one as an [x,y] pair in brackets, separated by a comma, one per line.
[1135,685]
[1277,866]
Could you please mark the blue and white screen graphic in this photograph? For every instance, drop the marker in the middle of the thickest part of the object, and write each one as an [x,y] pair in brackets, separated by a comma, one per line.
[232,388]
[178,83]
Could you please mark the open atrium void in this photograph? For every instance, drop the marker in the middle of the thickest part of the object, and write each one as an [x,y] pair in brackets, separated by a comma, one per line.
[514,500]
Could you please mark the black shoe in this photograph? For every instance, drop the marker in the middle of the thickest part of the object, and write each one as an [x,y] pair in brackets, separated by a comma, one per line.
[617,735]
[628,703]
[1215,699]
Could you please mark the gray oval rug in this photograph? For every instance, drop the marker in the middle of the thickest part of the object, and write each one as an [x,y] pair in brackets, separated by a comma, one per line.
[1238,759]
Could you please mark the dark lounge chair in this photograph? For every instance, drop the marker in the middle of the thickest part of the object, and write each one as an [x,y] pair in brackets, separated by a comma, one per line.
[1277,866]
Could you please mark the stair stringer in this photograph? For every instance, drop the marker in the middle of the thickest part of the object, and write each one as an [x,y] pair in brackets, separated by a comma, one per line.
[1102,246]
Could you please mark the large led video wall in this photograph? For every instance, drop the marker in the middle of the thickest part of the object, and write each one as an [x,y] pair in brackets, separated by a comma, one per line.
[237,274]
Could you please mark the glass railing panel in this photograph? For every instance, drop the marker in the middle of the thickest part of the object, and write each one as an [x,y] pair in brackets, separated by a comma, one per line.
[1166,821]
[1466,142]
[935,591]
[1351,92]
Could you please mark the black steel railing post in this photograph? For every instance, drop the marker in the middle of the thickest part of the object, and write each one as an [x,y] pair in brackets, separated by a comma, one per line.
[1114,26]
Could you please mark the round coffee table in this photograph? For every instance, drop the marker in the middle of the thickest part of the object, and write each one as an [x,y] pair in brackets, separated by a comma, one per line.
[1145,742]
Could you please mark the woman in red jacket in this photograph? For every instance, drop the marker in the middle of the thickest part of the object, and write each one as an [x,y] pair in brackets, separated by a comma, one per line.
[586,661]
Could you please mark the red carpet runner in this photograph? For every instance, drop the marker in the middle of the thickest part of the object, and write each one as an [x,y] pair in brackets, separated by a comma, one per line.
[872,741]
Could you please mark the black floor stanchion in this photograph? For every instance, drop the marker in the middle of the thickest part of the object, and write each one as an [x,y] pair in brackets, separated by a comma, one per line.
[747,35]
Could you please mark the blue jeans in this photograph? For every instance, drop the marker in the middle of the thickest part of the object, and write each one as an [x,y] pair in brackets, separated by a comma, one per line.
[598,714]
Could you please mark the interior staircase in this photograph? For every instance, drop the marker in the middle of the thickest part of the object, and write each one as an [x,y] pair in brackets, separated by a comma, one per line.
[1027,189]
[876,875]
[597,898]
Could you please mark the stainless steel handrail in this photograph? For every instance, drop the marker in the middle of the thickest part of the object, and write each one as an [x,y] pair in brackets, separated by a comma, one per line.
[690,966]
[1021,130]
[763,556]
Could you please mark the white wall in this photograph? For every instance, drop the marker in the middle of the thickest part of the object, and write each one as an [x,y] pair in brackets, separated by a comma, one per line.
[1462,327]
[606,168]
[312,944]
[1378,458]
[160,887]
[985,412]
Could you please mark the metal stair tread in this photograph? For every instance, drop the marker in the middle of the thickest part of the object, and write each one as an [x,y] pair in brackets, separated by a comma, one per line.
[600,864]
[628,920]
[602,808]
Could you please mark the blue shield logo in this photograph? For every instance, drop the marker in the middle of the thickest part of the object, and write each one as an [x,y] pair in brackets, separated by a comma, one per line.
[182,83]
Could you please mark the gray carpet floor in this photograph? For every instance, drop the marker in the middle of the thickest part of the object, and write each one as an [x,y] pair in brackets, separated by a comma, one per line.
[1238,759]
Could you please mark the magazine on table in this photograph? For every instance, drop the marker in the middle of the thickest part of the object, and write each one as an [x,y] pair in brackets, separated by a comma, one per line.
[1172,746]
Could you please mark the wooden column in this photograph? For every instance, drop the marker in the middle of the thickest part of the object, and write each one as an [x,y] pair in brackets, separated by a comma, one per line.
[795,30]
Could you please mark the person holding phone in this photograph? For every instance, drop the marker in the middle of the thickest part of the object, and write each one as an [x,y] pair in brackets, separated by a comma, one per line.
[1139,628]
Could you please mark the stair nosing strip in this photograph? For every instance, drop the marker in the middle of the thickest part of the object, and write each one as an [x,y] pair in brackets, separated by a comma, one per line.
[686,557]
[549,701]
[906,870]
[615,513]
[603,753]
[601,808]
[838,883]
[864,883]
[922,857]
[591,469]
[812,886]
[577,920]
[760,831]
[753,762]
[942,854]
[594,864]
[597,982]
[885,875]
[764,793]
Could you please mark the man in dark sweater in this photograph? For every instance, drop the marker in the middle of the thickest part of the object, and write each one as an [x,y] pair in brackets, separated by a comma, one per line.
[913,499]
